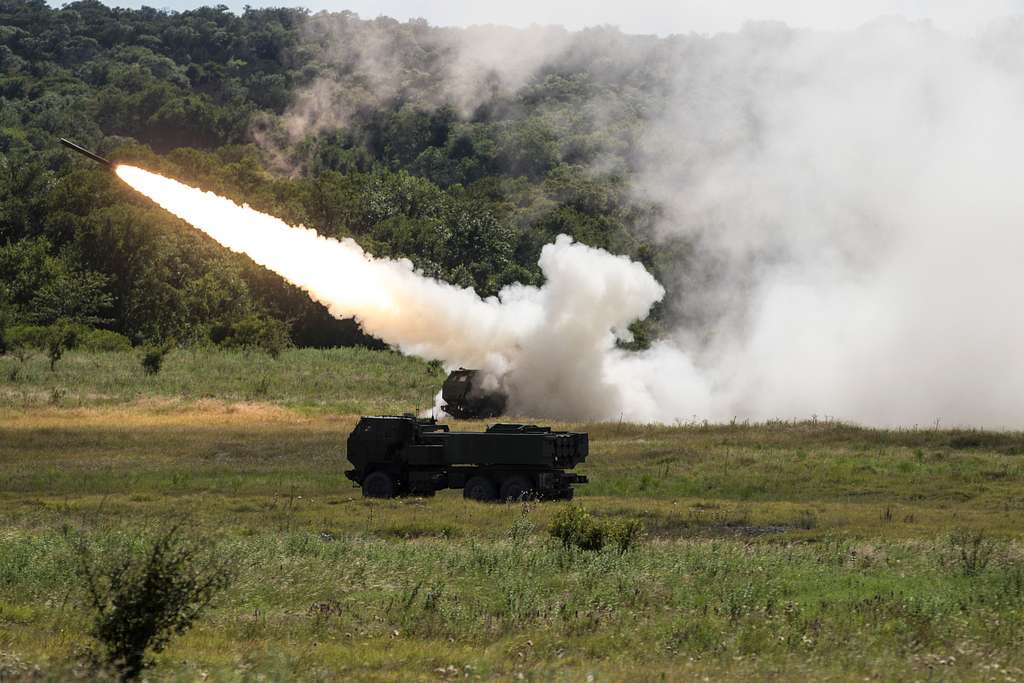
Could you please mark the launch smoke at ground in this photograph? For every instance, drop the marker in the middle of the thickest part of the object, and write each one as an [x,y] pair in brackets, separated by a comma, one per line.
[552,348]
[851,203]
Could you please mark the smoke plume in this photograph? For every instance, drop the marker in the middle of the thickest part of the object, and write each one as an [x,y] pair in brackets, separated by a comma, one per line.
[854,199]
[552,348]
[851,203]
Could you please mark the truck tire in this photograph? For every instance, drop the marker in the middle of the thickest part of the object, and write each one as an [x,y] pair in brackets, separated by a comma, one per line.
[378,485]
[480,488]
[516,488]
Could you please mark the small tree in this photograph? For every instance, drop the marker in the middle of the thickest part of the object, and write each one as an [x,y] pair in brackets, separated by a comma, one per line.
[140,600]
[5,320]
[257,332]
[153,358]
[61,336]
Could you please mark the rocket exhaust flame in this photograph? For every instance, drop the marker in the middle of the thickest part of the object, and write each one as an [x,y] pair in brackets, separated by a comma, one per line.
[552,349]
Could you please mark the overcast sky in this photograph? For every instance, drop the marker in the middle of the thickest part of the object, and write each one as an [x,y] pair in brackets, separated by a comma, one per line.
[642,16]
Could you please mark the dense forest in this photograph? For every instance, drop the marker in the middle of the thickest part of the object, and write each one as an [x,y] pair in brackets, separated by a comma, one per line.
[351,126]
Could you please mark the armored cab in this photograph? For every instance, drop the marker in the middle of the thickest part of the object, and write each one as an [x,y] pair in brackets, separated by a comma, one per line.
[394,456]
[465,398]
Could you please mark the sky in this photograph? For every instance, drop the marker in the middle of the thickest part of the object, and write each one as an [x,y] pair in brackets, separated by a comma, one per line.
[643,16]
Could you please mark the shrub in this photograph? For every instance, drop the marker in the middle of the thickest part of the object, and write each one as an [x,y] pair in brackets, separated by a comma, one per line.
[626,534]
[60,336]
[153,358]
[807,519]
[255,332]
[104,341]
[34,336]
[973,550]
[140,600]
[54,339]
[5,320]
[523,527]
[574,526]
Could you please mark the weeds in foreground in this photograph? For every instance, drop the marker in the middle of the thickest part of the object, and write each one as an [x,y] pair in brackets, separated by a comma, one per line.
[140,600]
[523,526]
[973,550]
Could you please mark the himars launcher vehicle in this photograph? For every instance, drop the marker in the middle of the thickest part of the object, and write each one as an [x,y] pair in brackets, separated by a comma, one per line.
[394,456]
[465,398]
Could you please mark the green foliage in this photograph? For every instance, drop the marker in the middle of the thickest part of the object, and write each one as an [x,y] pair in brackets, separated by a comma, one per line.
[256,332]
[5,320]
[104,341]
[45,288]
[59,337]
[973,550]
[340,381]
[141,598]
[153,358]
[574,526]
[625,534]
[729,581]
[470,199]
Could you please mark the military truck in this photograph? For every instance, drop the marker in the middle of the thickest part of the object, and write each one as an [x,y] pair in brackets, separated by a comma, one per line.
[394,456]
[465,398]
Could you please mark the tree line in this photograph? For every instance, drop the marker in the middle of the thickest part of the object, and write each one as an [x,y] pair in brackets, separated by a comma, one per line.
[468,196]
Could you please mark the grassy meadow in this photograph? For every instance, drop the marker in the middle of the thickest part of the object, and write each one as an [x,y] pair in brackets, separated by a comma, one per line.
[776,551]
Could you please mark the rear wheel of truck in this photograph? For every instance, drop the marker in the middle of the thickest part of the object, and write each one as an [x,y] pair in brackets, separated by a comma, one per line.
[480,488]
[378,485]
[516,488]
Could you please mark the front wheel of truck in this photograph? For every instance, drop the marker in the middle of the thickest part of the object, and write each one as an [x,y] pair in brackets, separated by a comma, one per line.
[516,488]
[480,488]
[378,485]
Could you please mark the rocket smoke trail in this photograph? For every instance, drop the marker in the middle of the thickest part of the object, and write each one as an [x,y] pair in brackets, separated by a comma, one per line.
[851,201]
[551,348]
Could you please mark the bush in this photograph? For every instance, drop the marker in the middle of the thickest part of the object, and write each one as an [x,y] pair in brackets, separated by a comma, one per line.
[60,336]
[626,534]
[255,332]
[40,336]
[33,336]
[973,551]
[5,320]
[574,526]
[104,341]
[153,358]
[140,600]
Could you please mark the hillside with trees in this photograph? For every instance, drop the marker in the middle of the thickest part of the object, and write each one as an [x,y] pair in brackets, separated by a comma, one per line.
[469,190]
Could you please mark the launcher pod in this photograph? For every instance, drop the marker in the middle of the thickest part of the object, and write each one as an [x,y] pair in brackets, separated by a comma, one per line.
[394,456]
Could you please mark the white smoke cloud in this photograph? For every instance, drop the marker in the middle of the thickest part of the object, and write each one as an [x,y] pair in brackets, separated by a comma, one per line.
[862,188]
[365,64]
[852,198]
[552,348]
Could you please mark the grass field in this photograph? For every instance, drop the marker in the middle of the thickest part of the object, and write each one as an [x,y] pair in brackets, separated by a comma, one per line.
[772,552]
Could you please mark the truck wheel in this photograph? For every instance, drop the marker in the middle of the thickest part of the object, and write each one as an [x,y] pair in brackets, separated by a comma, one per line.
[516,488]
[378,485]
[479,488]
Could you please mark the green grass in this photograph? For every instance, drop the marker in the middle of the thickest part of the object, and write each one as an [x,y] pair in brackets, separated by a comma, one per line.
[354,380]
[779,551]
